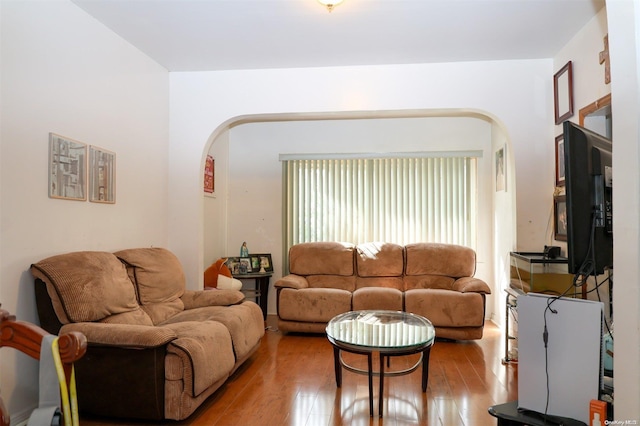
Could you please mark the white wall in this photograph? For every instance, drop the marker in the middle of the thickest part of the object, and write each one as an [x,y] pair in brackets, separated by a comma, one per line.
[215,205]
[503,225]
[255,173]
[623,18]
[588,86]
[64,72]
[588,74]
[516,94]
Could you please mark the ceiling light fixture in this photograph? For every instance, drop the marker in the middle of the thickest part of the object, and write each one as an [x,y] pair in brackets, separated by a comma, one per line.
[330,4]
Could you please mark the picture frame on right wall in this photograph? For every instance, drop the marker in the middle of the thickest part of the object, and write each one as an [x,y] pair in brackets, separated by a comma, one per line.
[501,169]
[560,217]
[563,93]
[560,172]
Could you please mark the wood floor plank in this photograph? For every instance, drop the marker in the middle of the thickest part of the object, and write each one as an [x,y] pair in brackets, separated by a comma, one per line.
[290,381]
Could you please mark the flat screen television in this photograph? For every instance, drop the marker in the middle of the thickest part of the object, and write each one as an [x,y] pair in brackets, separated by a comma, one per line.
[587,160]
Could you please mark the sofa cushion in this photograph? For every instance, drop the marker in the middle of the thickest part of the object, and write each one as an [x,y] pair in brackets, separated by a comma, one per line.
[412,282]
[312,304]
[385,282]
[439,259]
[244,322]
[318,258]
[86,285]
[210,297]
[446,308]
[136,317]
[203,354]
[159,280]
[379,260]
[389,299]
[332,281]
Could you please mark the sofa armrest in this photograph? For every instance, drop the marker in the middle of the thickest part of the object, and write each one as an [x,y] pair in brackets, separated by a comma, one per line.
[122,335]
[471,284]
[292,281]
[212,297]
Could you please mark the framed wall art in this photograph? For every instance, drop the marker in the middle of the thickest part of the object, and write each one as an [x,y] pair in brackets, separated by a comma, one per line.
[560,173]
[563,93]
[102,175]
[209,175]
[560,217]
[67,168]
[501,171]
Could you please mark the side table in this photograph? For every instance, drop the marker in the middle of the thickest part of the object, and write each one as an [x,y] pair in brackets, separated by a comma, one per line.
[511,304]
[261,289]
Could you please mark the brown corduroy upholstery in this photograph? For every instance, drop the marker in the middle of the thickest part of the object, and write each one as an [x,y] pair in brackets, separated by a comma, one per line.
[155,350]
[432,280]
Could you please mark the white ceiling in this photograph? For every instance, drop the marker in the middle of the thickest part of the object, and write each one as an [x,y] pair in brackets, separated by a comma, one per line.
[200,35]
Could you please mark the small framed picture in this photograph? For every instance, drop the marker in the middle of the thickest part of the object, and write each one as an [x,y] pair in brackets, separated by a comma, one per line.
[560,160]
[233,263]
[209,176]
[102,175]
[255,263]
[560,217]
[239,265]
[563,93]
[501,170]
[264,262]
[245,265]
[67,168]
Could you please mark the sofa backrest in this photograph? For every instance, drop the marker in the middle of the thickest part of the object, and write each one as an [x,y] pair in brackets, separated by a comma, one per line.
[379,265]
[88,286]
[376,264]
[158,278]
[324,264]
[435,265]
[447,260]
[321,258]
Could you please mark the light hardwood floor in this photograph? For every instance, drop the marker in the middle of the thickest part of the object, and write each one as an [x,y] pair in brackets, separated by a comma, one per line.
[290,381]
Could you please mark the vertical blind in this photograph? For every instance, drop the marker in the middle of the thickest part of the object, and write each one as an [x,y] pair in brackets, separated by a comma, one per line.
[399,200]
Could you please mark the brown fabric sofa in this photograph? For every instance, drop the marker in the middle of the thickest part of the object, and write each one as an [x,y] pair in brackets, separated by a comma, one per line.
[432,280]
[155,350]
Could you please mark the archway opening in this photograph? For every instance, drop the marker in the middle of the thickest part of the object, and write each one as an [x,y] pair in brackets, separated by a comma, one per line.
[247,202]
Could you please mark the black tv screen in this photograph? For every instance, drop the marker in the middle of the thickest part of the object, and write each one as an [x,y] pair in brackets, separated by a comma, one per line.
[588,180]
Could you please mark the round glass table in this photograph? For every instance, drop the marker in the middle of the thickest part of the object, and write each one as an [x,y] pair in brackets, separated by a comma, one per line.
[390,333]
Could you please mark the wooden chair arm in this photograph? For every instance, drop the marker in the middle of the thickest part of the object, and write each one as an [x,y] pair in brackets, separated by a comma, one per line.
[27,338]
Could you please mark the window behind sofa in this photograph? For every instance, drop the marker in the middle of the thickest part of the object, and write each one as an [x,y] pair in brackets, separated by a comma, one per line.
[400,200]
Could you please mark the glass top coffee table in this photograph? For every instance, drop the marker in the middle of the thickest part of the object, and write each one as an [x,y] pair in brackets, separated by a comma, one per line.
[391,333]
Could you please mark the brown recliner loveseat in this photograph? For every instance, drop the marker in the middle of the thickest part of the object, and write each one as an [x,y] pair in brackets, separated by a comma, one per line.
[433,280]
[155,350]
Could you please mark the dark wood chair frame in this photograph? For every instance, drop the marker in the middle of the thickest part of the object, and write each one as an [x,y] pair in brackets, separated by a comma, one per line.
[27,338]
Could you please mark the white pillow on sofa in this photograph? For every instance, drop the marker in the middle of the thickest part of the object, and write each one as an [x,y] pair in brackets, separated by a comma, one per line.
[226,283]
